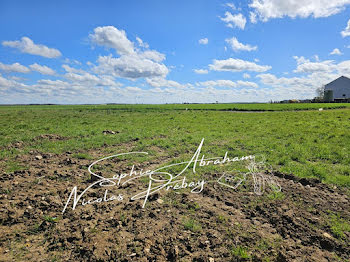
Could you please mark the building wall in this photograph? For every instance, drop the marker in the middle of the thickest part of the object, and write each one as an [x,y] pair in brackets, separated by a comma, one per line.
[340,87]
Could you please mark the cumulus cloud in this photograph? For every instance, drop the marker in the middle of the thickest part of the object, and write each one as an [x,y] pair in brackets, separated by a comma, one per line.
[227,84]
[131,67]
[231,5]
[253,18]
[297,87]
[7,83]
[162,82]
[268,9]
[42,69]
[237,46]
[141,43]
[306,66]
[131,63]
[70,69]
[16,67]
[203,41]
[111,37]
[86,79]
[152,55]
[336,51]
[246,76]
[315,74]
[322,67]
[346,31]
[237,20]
[26,45]
[201,71]
[237,65]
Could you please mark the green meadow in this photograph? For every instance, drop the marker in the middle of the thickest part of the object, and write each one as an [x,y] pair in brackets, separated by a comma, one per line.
[294,138]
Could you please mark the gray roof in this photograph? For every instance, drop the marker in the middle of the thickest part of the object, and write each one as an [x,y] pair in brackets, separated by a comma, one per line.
[348,79]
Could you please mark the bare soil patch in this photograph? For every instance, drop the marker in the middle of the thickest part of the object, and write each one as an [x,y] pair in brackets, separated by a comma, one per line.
[219,224]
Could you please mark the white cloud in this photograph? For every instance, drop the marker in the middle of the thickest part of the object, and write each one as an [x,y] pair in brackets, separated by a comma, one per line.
[306,66]
[131,67]
[346,31]
[297,87]
[44,70]
[227,84]
[87,79]
[53,83]
[253,18]
[237,65]
[133,88]
[322,67]
[6,83]
[231,5]
[268,9]
[70,69]
[237,46]
[343,68]
[152,55]
[72,61]
[26,45]
[161,82]
[111,37]
[246,76]
[201,71]
[318,73]
[81,78]
[336,51]
[132,63]
[237,20]
[203,41]
[141,43]
[16,67]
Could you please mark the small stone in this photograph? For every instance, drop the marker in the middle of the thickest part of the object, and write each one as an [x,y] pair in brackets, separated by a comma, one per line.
[325,234]
[147,250]
[284,207]
[308,186]
[256,222]
[38,157]
[29,207]
[132,255]
[211,259]
[160,201]
[176,251]
[109,132]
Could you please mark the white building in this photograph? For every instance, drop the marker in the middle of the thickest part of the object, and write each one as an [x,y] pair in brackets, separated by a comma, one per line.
[337,90]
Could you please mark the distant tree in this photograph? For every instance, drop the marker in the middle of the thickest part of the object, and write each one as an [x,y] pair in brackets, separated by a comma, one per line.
[320,92]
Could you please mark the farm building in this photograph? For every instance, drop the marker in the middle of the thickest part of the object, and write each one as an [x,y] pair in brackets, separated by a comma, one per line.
[337,90]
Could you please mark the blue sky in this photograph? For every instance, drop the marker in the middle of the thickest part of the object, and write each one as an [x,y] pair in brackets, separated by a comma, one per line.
[170,51]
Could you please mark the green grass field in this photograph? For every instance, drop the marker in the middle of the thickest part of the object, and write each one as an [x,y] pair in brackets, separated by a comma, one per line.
[295,138]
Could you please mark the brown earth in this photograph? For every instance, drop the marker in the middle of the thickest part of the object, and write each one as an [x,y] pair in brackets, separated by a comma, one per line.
[219,224]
